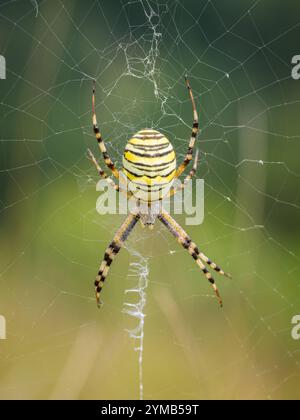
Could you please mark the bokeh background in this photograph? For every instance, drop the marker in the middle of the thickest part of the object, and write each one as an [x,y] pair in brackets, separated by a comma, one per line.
[238,56]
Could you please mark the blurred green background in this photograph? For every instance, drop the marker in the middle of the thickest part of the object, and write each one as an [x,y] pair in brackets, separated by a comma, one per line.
[238,56]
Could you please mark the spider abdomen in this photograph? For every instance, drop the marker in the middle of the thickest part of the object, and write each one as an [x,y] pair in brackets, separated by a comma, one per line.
[149,163]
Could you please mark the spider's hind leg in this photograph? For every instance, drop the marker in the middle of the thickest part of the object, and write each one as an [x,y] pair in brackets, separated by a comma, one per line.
[113,249]
[183,238]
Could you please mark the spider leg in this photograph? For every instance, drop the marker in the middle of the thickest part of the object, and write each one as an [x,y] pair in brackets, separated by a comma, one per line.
[109,163]
[175,190]
[183,238]
[195,131]
[102,173]
[113,249]
[109,180]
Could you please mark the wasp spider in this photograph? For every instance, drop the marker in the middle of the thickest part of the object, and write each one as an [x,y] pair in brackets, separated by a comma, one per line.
[149,164]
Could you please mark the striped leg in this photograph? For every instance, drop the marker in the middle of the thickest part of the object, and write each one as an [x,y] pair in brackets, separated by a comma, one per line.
[102,173]
[192,173]
[112,250]
[195,131]
[109,163]
[193,250]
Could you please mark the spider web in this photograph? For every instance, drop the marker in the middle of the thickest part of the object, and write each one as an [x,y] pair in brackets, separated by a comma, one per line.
[238,57]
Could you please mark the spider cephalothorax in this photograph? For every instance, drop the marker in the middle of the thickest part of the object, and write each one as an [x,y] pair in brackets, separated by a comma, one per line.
[149,165]
[149,213]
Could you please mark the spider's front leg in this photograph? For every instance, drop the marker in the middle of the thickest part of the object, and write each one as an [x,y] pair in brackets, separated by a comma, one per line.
[109,180]
[195,130]
[109,163]
[101,173]
[175,190]
[183,238]
[113,249]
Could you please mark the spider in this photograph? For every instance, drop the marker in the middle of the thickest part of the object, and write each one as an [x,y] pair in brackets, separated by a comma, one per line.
[149,164]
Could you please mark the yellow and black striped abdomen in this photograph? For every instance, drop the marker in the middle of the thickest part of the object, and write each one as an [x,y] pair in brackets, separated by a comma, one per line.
[149,163]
